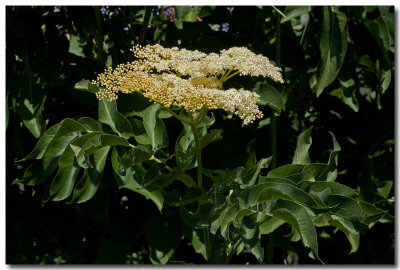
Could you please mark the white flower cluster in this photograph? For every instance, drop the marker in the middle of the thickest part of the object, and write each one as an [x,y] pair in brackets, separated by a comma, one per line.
[189,79]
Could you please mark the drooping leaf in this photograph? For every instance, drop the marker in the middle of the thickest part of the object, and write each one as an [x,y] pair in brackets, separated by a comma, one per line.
[63,182]
[298,217]
[303,144]
[40,170]
[108,114]
[90,181]
[332,45]
[31,116]
[155,128]
[250,237]
[269,96]
[63,128]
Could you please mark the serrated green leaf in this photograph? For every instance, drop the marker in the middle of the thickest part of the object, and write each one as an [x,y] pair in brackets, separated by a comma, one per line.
[90,181]
[109,115]
[63,182]
[303,144]
[155,128]
[333,46]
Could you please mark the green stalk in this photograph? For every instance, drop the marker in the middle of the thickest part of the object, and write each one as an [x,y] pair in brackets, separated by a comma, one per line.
[193,126]
[198,152]
[269,245]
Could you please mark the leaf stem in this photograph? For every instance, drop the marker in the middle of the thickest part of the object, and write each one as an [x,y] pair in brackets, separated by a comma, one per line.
[198,152]
[178,117]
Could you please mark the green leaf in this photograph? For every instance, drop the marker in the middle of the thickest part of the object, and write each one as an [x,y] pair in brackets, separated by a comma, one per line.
[135,156]
[250,232]
[385,79]
[49,138]
[347,94]
[132,179]
[269,96]
[270,225]
[76,47]
[90,181]
[85,145]
[205,214]
[347,227]
[63,182]
[139,132]
[292,12]
[384,188]
[303,144]
[31,116]
[196,238]
[109,115]
[90,124]
[86,86]
[40,170]
[155,128]
[286,171]
[212,136]
[380,32]
[298,217]
[164,235]
[185,150]
[333,46]
[274,188]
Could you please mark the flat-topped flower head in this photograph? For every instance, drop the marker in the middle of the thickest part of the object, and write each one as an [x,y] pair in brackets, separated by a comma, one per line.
[189,79]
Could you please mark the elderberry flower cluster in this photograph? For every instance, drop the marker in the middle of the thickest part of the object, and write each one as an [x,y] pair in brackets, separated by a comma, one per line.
[189,79]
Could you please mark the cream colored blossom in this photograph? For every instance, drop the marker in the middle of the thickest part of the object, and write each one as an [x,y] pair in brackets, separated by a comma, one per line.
[189,79]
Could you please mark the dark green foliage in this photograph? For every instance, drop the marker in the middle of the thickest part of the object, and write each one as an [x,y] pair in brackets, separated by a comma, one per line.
[317,205]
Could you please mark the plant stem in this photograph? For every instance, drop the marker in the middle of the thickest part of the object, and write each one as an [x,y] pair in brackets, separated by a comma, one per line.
[193,126]
[269,245]
[177,116]
[198,152]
